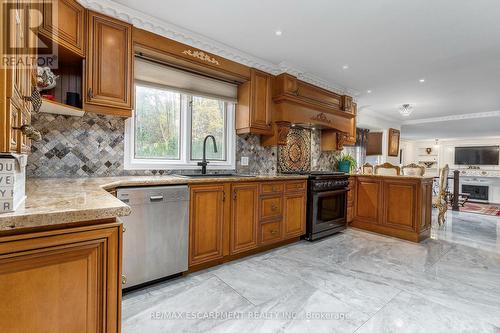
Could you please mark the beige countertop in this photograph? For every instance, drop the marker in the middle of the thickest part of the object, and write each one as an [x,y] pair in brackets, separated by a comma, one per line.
[61,201]
[395,177]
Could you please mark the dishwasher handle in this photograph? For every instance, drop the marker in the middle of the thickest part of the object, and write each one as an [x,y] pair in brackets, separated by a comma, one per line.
[155,198]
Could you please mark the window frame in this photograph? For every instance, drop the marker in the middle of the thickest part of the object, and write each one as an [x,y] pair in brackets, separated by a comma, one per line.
[185,162]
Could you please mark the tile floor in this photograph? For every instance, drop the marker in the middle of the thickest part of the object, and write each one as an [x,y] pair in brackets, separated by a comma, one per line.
[351,282]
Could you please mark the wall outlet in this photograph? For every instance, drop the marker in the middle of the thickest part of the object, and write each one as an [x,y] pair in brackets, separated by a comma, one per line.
[244,160]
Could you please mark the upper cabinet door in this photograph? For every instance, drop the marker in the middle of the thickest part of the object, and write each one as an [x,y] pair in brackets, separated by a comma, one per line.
[261,99]
[253,110]
[64,22]
[109,66]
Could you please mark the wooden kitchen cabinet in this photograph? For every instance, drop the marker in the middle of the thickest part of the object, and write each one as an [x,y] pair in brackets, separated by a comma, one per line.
[350,199]
[270,232]
[206,223]
[108,83]
[64,23]
[244,217]
[259,215]
[253,110]
[294,214]
[77,271]
[393,205]
[16,80]
[368,199]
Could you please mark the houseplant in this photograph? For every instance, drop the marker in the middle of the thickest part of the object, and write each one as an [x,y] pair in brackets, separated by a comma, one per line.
[346,163]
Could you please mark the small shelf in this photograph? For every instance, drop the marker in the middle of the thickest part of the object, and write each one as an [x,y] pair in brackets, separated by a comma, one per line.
[54,107]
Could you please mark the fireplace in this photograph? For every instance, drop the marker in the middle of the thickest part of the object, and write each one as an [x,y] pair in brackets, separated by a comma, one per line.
[477,192]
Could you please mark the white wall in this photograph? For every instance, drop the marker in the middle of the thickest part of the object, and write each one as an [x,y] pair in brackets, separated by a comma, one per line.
[446,150]
[376,125]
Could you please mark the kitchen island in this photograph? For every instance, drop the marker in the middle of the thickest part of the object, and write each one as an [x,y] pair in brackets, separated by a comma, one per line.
[398,206]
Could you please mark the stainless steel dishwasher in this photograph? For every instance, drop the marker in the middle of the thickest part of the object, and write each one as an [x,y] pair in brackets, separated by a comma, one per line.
[155,242]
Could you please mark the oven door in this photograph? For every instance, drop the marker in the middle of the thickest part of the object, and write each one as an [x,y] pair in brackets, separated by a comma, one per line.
[329,210]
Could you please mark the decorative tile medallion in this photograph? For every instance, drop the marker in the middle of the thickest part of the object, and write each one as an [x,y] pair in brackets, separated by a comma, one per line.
[295,156]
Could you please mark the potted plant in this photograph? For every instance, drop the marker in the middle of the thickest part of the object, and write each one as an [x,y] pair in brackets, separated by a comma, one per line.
[346,163]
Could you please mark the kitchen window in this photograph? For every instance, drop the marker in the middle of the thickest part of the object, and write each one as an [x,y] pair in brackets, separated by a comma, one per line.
[171,120]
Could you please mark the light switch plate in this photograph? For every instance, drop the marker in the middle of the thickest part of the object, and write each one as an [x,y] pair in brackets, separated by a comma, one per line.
[244,160]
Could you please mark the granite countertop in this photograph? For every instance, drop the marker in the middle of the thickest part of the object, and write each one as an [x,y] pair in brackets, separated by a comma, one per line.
[57,201]
[396,177]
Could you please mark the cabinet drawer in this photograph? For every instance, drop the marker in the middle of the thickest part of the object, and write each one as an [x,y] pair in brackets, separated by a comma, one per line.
[270,232]
[296,186]
[271,188]
[270,207]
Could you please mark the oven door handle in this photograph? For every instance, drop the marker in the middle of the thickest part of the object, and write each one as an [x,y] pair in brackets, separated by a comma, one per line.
[324,194]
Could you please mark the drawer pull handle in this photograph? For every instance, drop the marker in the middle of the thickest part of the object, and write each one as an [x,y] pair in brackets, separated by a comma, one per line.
[274,207]
[156,198]
[274,232]
[274,189]
[124,279]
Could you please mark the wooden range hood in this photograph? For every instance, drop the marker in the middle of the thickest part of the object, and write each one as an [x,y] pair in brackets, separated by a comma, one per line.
[303,104]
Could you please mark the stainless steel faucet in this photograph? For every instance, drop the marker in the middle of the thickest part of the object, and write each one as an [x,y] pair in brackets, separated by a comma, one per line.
[204,161]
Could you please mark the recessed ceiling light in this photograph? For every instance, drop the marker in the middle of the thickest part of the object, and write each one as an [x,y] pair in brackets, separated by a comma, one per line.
[369,91]
[278,32]
[345,67]
[421,80]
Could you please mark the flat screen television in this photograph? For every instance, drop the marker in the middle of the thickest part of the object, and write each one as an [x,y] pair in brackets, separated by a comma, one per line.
[485,155]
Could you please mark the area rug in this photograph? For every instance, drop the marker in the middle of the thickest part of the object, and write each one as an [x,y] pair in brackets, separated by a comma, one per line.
[478,208]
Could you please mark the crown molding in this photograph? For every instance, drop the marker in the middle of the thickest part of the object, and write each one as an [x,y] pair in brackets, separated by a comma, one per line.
[453,117]
[191,38]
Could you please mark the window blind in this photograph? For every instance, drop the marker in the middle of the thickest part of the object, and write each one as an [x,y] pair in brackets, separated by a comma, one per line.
[183,81]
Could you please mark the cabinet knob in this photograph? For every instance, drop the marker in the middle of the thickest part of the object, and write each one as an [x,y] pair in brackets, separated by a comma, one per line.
[124,279]
[124,229]
[30,132]
[274,207]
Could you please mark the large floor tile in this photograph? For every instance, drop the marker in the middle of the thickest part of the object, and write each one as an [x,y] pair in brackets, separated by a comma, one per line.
[191,309]
[409,313]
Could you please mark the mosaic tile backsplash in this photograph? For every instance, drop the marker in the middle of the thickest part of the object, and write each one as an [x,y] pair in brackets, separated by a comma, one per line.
[93,146]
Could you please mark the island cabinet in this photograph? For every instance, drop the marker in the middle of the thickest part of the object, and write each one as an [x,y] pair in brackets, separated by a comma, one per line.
[65,280]
[397,206]
[108,83]
[230,220]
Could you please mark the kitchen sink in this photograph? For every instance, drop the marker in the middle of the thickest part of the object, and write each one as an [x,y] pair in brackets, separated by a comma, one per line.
[211,175]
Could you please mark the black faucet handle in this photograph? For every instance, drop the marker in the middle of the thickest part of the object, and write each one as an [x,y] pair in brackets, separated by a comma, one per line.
[203,163]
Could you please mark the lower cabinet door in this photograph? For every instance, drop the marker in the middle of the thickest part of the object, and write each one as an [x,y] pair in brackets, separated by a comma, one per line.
[206,223]
[61,283]
[244,217]
[295,215]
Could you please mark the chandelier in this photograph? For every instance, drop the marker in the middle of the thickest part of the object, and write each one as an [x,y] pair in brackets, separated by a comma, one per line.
[405,110]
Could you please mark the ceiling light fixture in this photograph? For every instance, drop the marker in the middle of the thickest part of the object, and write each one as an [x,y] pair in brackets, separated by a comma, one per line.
[345,67]
[278,32]
[421,80]
[406,110]
[369,91]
